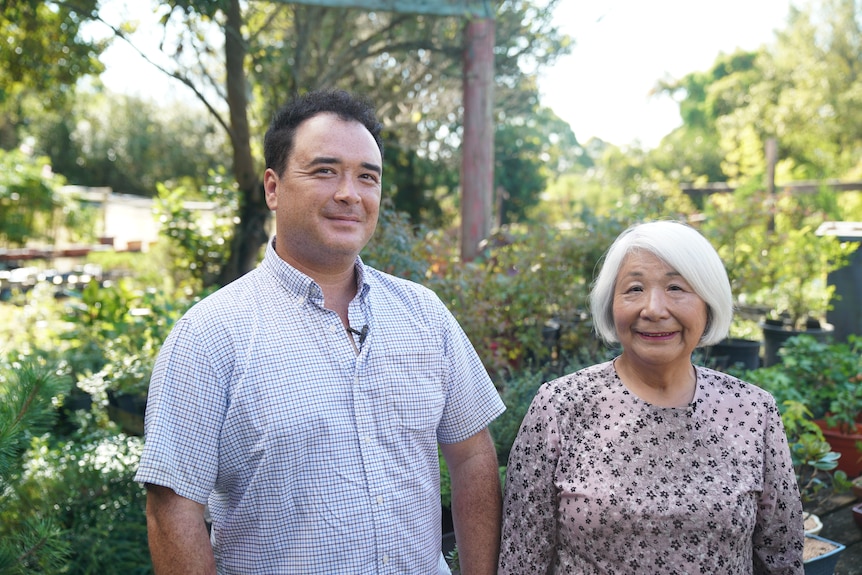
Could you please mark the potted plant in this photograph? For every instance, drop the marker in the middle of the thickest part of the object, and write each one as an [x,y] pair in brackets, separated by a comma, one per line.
[740,350]
[738,234]
[814,464]
[832,378]
[797,263]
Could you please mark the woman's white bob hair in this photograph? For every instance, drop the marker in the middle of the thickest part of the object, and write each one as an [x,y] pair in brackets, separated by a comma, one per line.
[686,251]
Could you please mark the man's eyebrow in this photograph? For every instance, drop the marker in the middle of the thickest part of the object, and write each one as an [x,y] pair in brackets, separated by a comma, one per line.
[373,168]
[327,160]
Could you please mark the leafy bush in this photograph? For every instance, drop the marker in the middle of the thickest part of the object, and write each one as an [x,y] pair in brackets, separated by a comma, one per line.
[396,247]
[524,300]
[814,462]
[199,242]
[90,481]
[28,198]
[825,377]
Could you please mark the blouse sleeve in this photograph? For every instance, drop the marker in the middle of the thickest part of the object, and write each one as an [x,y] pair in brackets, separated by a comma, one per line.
[529,532]
[778,533]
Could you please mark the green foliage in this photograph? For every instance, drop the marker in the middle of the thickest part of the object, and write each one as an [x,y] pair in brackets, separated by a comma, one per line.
[43,47]
[42,56]
[798,260]
[119,325]
[28,198]
[692,151]
[783,270]
[130,144]
[199,240]
[78,479]
[89,480]
[415,184]
[528,282]
[32,539]
[824,377]
[394,248]
[529,148]
[737,226]
[813,460]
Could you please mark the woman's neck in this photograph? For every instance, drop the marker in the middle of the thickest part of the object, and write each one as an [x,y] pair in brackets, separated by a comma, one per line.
[659,385]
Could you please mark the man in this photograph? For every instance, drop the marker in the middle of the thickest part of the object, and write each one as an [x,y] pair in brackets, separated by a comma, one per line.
[304,402]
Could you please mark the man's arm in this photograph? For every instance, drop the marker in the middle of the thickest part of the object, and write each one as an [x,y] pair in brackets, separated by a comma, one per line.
[179,542]
[476,502]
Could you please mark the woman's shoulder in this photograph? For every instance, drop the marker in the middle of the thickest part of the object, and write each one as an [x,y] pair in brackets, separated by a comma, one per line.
[583,382]
[726,384]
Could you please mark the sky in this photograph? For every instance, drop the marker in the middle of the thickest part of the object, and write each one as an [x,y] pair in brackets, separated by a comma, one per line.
[624,47]
[602,89]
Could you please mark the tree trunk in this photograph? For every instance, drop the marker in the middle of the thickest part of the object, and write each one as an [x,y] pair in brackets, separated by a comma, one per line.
[250,232]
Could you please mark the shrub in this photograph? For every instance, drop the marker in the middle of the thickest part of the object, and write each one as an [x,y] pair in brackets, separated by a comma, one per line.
[822,376]
[32,539]
[524,301]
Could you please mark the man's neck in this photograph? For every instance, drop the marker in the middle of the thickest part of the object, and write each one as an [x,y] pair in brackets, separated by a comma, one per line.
[338,282]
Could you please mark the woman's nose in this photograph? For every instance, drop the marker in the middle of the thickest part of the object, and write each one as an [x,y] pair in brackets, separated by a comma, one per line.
[655,305]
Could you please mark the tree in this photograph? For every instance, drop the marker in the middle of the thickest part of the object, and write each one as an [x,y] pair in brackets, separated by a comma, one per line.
[530,148]
[811,97]
[805,90]
[692,152]
[31,540]
[42,56]
[408,64]
[28,198]
[130,144]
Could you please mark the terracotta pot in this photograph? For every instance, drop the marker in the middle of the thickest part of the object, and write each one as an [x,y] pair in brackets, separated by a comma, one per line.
[845,444]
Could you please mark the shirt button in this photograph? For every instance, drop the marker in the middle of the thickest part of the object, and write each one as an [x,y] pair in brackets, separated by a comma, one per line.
[367,439]
[380,499]
[385,559]
[332,329]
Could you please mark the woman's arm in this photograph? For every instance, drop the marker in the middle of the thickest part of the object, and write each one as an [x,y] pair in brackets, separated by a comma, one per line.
[529,534]
[778,534]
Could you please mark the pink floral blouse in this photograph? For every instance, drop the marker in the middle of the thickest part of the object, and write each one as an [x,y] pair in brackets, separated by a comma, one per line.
[601,482]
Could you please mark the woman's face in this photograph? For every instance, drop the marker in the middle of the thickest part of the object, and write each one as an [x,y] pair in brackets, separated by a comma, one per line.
[658,317]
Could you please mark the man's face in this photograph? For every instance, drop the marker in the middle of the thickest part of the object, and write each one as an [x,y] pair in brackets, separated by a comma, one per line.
[327,200]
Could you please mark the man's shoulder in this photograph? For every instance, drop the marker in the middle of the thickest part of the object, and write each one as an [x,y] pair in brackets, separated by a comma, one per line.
[397,286]
[237,297]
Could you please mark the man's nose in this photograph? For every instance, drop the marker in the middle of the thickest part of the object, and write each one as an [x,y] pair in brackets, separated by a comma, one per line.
[347,191]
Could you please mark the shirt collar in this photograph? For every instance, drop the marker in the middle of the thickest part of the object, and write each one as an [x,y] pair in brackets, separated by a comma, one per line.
[299,285]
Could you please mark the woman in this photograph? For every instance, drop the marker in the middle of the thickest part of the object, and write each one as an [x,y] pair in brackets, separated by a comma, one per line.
[647,463]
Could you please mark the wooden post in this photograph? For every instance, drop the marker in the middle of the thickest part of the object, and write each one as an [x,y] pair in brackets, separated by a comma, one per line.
[477,146]
[771,160]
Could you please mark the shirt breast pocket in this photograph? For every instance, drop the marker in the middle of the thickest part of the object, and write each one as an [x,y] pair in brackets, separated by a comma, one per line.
[415,390]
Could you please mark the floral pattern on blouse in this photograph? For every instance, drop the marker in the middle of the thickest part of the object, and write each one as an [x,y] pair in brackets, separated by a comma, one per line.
[602,482]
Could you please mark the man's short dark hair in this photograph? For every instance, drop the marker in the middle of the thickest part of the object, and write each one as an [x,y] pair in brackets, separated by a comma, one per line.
[279,139]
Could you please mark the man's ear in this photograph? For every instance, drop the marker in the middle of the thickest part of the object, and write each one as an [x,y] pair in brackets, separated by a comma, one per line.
[270,188]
